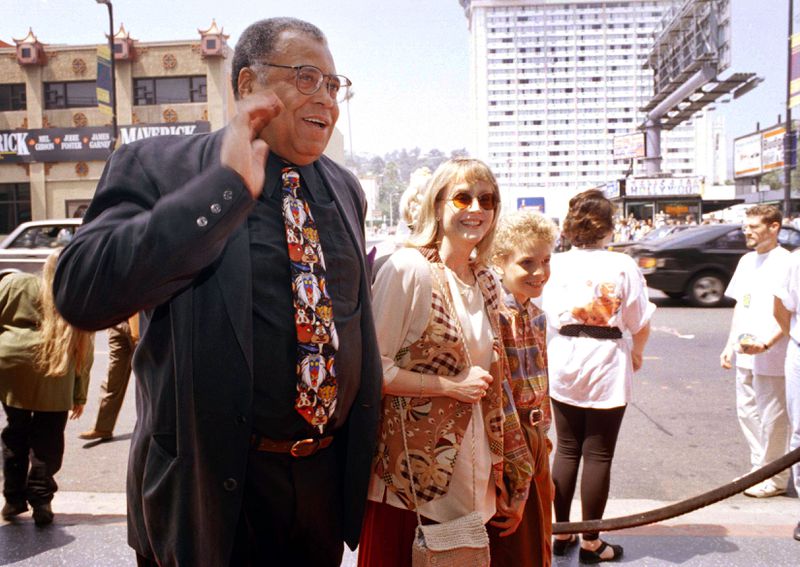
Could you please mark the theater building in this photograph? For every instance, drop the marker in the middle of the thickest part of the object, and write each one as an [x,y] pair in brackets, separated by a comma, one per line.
[55,139]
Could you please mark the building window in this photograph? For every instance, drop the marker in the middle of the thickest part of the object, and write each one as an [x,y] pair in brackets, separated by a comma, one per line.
[73,94]
[12,97]
[170,90]
[15,205]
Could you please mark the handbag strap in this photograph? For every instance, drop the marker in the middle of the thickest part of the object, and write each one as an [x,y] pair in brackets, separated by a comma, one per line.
[457,322]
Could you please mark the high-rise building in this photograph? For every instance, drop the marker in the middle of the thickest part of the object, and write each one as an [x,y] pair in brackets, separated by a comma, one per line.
[553,82]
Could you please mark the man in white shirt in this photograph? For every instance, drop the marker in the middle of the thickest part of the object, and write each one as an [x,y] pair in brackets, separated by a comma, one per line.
[760,346]
[787,312]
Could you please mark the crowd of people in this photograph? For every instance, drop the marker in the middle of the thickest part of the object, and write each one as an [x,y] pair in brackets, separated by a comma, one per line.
[294,394]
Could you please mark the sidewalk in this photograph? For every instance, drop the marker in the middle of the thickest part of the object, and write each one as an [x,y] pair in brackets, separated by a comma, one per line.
[89,531]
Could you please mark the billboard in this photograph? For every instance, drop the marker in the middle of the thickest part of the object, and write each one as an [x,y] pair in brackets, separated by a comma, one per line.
[794,73]
[535,204]
[629,146]
[747,155]
[772,148]
[694,32]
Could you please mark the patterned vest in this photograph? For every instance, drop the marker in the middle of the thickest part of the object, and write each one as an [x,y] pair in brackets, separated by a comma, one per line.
[435,426]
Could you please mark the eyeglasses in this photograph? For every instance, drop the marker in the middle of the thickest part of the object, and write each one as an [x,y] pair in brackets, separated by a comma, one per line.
[463,200]
[309,79]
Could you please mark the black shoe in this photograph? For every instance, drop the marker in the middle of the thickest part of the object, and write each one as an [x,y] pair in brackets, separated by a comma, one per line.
[42,515]
[587,556]
[11,509]
[796,530]
[561,546]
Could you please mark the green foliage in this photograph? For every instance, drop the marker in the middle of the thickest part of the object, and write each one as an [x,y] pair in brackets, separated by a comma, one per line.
[393,172]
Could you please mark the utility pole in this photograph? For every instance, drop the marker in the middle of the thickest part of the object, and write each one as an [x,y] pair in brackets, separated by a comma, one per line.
[788,143]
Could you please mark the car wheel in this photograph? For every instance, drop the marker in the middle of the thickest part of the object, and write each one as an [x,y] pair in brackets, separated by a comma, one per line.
[674,294]
[706,290]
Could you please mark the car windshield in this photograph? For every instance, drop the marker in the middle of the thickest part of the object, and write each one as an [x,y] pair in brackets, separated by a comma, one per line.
[658,232]
[44,237]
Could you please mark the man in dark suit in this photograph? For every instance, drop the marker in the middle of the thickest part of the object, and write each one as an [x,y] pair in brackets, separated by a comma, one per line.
[239,455]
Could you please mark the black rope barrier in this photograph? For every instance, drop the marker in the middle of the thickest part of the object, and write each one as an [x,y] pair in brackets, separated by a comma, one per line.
[684,506]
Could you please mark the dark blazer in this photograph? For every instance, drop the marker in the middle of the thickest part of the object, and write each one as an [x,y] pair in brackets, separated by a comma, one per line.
[166,234]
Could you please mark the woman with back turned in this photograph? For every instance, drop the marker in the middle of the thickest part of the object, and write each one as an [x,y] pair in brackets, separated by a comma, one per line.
[599,313]
[44,373]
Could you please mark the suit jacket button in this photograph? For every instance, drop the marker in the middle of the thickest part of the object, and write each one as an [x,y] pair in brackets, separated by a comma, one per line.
[202,221]
[240,419]
[230,484]
[215,208]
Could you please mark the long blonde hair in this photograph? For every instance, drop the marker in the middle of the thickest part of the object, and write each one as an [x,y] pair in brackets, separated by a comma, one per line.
[62,344]
[427,229]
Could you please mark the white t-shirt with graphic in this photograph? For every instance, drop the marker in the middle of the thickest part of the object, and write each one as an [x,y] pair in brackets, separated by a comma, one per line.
[598,288]
[752,286]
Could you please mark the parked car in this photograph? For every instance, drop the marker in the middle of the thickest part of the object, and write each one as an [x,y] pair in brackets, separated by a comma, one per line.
[655,234]
[29,245]
[698,263]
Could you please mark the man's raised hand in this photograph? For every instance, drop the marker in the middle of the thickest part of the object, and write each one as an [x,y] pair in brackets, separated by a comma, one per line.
[242,149]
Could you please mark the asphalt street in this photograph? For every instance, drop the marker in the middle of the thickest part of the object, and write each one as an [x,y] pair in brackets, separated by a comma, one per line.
[679,438]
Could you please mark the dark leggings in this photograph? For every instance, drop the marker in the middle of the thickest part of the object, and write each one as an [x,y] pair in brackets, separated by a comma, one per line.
[591,434]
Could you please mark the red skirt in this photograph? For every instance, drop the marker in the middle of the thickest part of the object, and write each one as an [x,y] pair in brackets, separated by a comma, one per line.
[386,536]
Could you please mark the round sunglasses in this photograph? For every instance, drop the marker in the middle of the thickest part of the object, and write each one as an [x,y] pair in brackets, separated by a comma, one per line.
[463,200]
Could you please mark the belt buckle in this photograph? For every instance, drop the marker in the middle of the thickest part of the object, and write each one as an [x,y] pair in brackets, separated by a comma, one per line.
[304,448]
[535,416]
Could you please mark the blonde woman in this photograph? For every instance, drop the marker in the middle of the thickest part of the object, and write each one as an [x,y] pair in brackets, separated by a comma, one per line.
[44,374]
[464,438]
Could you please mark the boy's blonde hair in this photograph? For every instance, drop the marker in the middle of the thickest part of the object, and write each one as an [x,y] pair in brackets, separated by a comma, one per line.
[519,228]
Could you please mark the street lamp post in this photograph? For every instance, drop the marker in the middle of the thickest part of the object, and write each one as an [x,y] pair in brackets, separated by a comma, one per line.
[113,70]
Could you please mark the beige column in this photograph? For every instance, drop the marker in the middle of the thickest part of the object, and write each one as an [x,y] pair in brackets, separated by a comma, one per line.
[34,92]
[124,74]
[217,91]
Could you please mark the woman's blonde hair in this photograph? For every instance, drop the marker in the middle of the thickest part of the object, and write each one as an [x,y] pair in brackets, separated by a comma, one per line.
[467,170]
[521,228]
[62,344]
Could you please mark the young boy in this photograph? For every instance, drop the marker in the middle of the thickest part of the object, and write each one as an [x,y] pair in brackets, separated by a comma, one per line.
[523,244]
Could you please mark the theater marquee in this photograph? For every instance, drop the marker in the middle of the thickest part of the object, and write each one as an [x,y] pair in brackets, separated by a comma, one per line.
[82,144]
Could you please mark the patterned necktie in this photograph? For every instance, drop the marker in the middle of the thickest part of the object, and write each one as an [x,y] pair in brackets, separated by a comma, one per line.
[316,334]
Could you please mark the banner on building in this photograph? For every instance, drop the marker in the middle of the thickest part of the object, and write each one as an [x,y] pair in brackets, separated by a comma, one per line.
[663,186]
[83,144]
[128,134]
[629,146]
[794,73]
[104,79]
[55,144]
[535,204]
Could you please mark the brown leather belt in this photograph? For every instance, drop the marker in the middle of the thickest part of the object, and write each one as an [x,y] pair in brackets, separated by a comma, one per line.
[592,331]
[301,448]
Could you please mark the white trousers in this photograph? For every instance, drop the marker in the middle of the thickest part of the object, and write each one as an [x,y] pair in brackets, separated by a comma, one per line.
[793,403]
[761,408]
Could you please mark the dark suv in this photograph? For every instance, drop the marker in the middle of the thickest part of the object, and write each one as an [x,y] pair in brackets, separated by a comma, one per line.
[698,263]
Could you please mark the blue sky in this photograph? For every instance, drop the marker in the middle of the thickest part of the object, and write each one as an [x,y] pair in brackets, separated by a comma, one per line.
[408,59]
